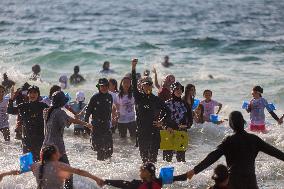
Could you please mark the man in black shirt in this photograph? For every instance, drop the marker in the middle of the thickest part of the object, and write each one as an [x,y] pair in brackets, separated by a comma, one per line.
[240,151]
[100,107]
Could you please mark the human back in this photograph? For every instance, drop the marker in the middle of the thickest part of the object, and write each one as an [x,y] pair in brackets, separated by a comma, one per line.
[50,176]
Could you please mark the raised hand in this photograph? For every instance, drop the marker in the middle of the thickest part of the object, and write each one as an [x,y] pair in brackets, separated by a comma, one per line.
[134,63]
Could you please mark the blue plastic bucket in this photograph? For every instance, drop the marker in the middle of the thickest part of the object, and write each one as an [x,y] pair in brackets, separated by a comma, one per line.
[214,118]
[167,175]
[26,162]
[195,104]
[245,105]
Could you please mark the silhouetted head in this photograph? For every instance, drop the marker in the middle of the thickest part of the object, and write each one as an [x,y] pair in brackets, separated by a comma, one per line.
[76,69]
[237,121]
[106,65]
[59,99]
[5,77]
[221,174]
[36,69]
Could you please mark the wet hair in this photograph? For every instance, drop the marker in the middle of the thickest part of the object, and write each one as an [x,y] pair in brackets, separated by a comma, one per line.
[46,154]
[207,90]
[53,89]
[58,101]
[114,82]
[76,69]
[186,93]
[36,69]
[105,67]
[258,89]
[237,121]
[221,173]
[120,93]
[5,76]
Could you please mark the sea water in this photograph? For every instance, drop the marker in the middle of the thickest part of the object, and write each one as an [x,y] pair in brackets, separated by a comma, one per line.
[239,42]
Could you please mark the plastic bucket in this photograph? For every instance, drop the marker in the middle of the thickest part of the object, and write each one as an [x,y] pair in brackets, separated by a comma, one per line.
[26,162]
[245,105]
[167,175]
[195,104]
[214,118]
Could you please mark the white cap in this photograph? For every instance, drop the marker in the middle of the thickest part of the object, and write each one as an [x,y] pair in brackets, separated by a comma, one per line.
[80,96]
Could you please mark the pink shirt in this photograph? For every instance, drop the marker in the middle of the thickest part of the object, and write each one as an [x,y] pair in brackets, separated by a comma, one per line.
[209,108]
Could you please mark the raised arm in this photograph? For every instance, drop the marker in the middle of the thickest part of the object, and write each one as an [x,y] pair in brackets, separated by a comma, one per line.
[156,79]
[136,92]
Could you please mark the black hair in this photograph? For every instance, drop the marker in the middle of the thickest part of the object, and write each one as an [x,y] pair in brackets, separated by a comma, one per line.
[207,90]
[36,69]
[114,82]
[105,65]
[76,69]
[46,154]
[5,76]
[221,173]
[58,101]
[237,121]
[258,89]
[53,89]
[130,91]
[186,94]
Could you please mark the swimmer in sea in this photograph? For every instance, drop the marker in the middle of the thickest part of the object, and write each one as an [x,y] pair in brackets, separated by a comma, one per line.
[166,62]
[106,68]
[36,73]
[76,78]
[7,83]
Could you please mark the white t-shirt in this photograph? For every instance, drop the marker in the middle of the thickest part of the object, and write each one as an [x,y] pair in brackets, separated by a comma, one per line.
[126,109]
[4,118]
[114,97]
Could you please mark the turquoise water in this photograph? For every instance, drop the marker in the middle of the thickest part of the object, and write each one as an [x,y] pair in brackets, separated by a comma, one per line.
[240,43]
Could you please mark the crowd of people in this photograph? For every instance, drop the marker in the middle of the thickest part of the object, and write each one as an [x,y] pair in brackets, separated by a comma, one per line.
[132,106]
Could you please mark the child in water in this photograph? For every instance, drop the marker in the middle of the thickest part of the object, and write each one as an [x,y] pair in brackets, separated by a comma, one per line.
[256,109]
[50,173]
[209,105]
[221,177]
[4,118]
[78,106]
[148,179]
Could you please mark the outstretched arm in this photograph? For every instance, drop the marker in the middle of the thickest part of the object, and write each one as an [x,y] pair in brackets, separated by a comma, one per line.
[270,150]
[14,172]
[117,183]
[83,173]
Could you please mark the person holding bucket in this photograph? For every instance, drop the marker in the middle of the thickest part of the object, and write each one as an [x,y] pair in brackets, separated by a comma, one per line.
[209,105]
[50,173]
[181,114]
[148,179]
